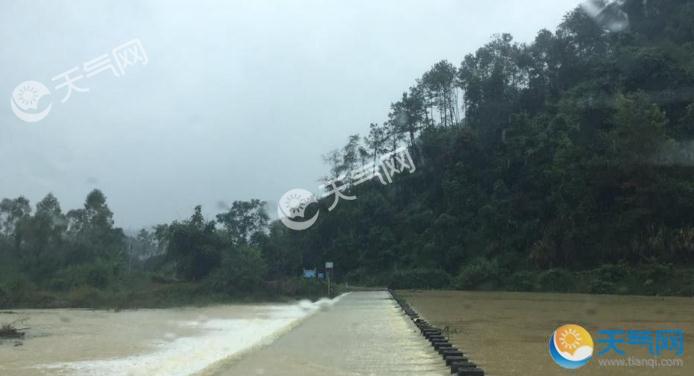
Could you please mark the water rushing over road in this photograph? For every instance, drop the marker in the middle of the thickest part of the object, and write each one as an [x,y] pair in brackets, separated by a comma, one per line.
[159,342]
[363,334]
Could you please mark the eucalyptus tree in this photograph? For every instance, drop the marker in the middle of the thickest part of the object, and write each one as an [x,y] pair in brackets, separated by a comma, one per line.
[439,84]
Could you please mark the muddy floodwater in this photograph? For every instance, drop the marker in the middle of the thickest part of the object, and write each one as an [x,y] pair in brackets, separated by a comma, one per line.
[360,333]
[151,342]
[507,333]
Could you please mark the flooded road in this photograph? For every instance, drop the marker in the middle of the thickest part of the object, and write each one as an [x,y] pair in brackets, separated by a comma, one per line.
[361,333]
[365,333]
[151,342]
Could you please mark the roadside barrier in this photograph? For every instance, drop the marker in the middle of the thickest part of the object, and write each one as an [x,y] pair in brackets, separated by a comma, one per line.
[455,359]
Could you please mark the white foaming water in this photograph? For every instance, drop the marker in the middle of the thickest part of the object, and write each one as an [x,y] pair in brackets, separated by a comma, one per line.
[219,339]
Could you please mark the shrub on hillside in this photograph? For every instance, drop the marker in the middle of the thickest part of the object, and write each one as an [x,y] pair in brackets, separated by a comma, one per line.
[599,286]
[5,300]
[479,273]
[522,281]
[242,270]
[557,280]
[611,272]
[421,278]
[97,275]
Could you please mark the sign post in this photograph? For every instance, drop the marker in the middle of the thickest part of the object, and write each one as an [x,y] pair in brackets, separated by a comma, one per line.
[328,272]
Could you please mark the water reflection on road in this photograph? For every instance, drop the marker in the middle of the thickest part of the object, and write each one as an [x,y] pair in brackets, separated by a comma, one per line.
[363,334]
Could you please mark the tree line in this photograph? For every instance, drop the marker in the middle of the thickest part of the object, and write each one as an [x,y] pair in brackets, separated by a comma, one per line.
[52,258]
[558,165]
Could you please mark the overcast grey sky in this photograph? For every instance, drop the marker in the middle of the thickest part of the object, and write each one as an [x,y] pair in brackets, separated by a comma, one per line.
[239,99]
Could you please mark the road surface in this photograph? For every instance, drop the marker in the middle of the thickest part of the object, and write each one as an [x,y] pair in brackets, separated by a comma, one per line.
[364,333]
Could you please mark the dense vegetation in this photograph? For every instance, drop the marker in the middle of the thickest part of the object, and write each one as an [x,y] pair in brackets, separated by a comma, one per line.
[52,259]
[560,165]
[564,164]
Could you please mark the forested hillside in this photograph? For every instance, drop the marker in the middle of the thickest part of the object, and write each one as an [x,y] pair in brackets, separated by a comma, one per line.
[568,154]
[566,164]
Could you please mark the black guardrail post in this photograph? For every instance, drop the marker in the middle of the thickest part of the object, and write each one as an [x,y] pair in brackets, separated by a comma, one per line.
[455,359]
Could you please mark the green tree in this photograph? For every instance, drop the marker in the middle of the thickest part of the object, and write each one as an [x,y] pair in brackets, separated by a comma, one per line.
[194,246]
[92,231]
[243,270]
[439,85]
[639,130]
[12,214]
[243,220]
[43,233]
